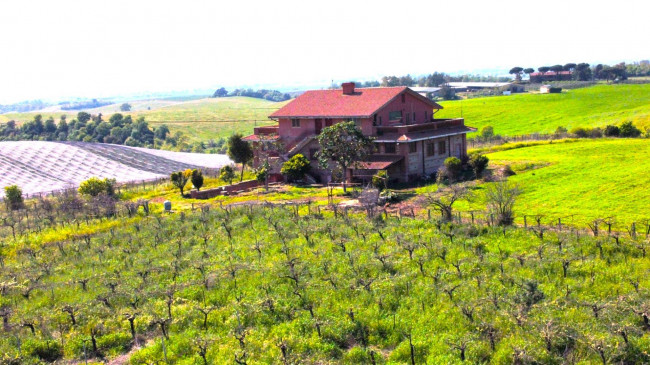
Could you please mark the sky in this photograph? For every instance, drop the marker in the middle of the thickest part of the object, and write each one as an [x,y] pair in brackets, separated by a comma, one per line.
[95,49]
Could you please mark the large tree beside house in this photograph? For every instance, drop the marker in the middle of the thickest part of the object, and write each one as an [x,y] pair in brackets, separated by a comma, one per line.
[240,152]
[345,145]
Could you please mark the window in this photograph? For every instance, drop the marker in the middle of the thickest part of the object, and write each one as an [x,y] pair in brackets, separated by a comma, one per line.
[431,149]
[389,147]
[442,148]
[426,116]
[357,121]
[413,147]
[413,116]
[403,98]
[374,119]
[408,118]
[380,121]
[295,123]
[395,115]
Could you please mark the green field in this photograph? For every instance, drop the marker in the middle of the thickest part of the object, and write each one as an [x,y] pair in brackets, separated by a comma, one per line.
[519,114]
[201,119]
[588,179]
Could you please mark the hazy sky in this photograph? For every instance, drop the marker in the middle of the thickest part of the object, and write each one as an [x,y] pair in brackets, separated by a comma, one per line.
[52,49]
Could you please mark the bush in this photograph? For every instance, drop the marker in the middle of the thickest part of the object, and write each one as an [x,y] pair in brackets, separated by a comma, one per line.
[629,130]
[612,131]
[14,197]
[478,163]
[180,178]
[380,180]
[227,174]
[580,132]
[487,132]
[296,167]
[560,130]
[596,133]
[46,350]
[114,343]
[197,179]
[454,166]
[96,186]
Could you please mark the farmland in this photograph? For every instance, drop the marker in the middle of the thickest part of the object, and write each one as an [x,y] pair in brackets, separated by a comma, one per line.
[257,285]
[201,119]
[518,114]
[46,166]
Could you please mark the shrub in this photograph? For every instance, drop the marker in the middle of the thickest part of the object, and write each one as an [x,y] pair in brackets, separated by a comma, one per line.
[46,350]
[478,163]
[612,131]
[261,173]
[197,179]
[380,180]
[596,133]
[96,186]
[296,167]
[180,178]
[454,166]
[560,130]
[14,197]
[114,343]
[580,132]
[227,174]
[629,130]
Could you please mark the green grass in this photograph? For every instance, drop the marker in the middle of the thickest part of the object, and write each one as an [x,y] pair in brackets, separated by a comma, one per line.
[589,179]
[519,114]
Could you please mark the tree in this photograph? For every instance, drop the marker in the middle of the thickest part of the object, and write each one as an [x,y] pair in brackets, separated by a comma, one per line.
[569,67]
[14,197]
[529,71]
[447,92]
[478,163]
[517,72]
[220,93]
[487,133]
[161,132]
[96,186]
[180,178]
[543,69]
[629,130]
[582,72]
[197,179]
[227,174]
[445,197]
[240,151]
[344,144]
[83,117]
[500,197]
[126,107]
[296,167]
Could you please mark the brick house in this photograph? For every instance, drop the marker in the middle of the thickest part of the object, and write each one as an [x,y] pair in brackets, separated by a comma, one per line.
[409,142]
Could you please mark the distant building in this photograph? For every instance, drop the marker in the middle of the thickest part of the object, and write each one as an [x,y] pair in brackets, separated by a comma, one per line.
[546,89]
[551,76]
[409,141]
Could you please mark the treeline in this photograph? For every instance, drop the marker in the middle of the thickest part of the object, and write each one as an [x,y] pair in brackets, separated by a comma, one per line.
[23,106]
[118,129]
[583,72]
[84,104]
[271,95]
[430,80]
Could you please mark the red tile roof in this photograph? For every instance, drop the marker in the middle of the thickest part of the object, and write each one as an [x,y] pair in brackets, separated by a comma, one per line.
[334,104]
[378,162]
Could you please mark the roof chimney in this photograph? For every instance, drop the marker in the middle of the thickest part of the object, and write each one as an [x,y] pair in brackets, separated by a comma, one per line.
[348,88]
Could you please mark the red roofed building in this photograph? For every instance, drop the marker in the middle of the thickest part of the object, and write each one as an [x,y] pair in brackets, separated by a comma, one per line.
[550,76]
[409,142]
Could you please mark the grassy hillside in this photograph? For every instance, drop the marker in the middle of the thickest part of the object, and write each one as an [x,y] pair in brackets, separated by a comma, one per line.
[530,113]
[588,179]
[201,119]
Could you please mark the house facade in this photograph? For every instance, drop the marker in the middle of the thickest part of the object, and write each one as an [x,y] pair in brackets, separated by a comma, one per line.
[409,142]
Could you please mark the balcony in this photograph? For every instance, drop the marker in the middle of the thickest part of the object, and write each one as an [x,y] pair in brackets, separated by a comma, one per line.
[432,125]
[266,130]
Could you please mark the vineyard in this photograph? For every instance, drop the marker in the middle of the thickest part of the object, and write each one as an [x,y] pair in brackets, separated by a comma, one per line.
[42,167]
[297,283]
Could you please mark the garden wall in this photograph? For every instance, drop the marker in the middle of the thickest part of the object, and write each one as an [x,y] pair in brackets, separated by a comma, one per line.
[224,190]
